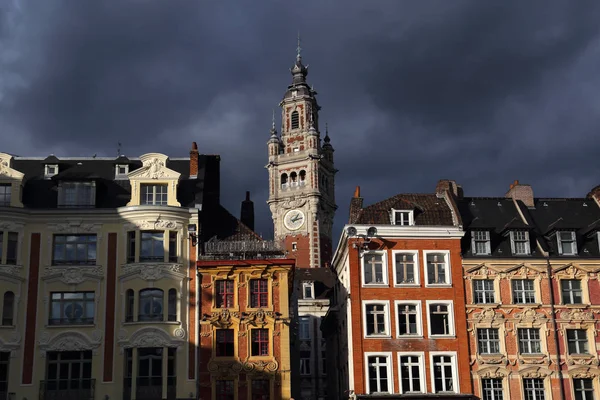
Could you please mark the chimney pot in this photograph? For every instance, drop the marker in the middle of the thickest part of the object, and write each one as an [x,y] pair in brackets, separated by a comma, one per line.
[194,160]
[357,192]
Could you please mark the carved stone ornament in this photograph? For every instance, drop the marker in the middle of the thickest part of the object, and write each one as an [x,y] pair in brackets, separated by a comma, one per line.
[576,315]
[534,373]
[151,337]
[73,275]
[293,203]
[488,315]
[579,373]
[69,341]
[11,226]
[11,270]
[151,272]
[583,360]
[224,368]
[5,167]
[260,366]
[223,318]
[530,315]
[13,342]
[156,224]
[75,227]
[258,317]
[206,285]
[492,373]
[179,333]
[154,167]
[534,360]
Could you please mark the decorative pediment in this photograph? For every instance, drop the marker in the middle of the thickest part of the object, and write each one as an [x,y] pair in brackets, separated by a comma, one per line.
[483,270]
[12,272]
[530,316]
[488,316]
[585,360]
[154,168]
[522,270]
[573,270]
[6,170]
[584,372]
[535,372]
[222,319]
[69,341]
[258,318]
[152,272]
[73,275]
[492,372]
[576,314]
[152,337]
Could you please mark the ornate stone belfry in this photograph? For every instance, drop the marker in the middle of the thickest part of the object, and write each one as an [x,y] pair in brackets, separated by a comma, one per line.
[302,175]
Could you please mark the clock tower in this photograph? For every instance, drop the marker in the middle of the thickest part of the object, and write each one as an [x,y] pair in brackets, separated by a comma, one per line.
[302,175]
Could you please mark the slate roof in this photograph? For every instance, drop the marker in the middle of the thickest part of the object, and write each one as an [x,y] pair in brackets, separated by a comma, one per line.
[429,210]
[323,278]
[548,216]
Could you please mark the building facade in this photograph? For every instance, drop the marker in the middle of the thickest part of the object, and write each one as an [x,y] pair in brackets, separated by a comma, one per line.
[97,264]
[531,278]
[397,323]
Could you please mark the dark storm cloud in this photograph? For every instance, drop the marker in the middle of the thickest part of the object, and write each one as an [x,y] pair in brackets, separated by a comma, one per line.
[481,92]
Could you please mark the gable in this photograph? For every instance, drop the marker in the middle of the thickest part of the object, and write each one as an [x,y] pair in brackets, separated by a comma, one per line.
[154,171]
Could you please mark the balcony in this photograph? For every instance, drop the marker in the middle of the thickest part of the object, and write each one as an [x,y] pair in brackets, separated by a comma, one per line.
[242,250]
[68,389]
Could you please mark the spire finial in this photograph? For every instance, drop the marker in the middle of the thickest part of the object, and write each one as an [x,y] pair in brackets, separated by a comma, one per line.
[273,121]
[298,49]
[326,139]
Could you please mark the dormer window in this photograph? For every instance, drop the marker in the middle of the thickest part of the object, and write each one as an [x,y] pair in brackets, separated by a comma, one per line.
[5,192]
[567,244]
[481,243]
[403,217]
[50,170]
[295,119]
[77,194]
[519,243]
[308,290]
[154,195]
[121,171]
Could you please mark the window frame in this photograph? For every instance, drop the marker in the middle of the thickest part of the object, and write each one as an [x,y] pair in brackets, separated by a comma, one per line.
[454,366]
[494,390]
[62,319]
[305,363]
[76,261]
[543,388]
[384,268]
[422,374]
[227,333]
[14,239]
[151,239]
[122,176]
[411,217]
[47,173]
[311,287]
[259,295]
[577,390]
[419,312]
[307,319]
[151,316]
[487,341]
[487,240]
[577,340]
[80,200]
[530,341]
[252,342]
[562,291]
[527,242]
[474,291]
[416,268]
[451,322]
[8,308]
[154,195]
[386,319]
[5,194]
[536,293]
[446,253]
[390,372]
[224,302]
[573,242]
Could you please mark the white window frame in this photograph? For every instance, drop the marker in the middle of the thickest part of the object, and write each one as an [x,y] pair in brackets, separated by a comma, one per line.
[455,378]
[570,291]
[311,286]
[417,303]
[47,173]
[390,372]
[451,326]
[527,242]
[488,242]
[386,316]
[123,175]
[536,293]
[448,268]
[585,340]
[543,388]
[7,189]
[502,393]
[384,268]
[573,241]
[411,217]
[495,294]
[415,254]
[421,357]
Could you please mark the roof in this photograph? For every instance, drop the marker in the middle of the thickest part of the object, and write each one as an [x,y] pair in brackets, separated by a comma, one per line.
[324,280]
[429,210]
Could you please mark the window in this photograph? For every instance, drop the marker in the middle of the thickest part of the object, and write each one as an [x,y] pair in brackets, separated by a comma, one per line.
[150,371]
[4,362]
[152,247]
[304,331]
[260,342]
[584,389]
[488,341]
[259,293]
[224,390]
[295,120]
[11,247]
[529,341]
[304,362]
[74,249]
[224,343]
[172,304]
[412,378]
[8,307]
[440,318]
[69,372]
[68,308]
[379,379]
[5,191]
[492,389]
[294,246]
[402,217]
[121,171]
[173,246]
[129,305]
[571,291]
[323,357]
[534,389]
[154,195]
[483,291]
[519,243]
[481,243]
[261,389]
[437,269]
[444,374]
[406,268]
[131,246]
[523,291]
[409,319]
[50,170]
[374,269]
[567,245]
[577,341]
[376,319]
[308,291]
[77,194]
[284,181]
[224,293]
[151,305]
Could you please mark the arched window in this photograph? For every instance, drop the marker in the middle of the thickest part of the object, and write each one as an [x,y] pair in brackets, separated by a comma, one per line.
[302,177]
[293,179]
[8,309]
[129,303]
[295,120]
[284,180]
[172,304]
[151,305]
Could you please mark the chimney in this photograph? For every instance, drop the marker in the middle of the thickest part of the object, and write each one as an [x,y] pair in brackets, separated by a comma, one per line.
[447,185]
[194,160]
[595,194]
[356,204]
[247,213]
[519,191]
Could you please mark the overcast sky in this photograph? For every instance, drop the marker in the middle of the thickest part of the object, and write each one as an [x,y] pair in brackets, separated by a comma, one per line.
[413,91]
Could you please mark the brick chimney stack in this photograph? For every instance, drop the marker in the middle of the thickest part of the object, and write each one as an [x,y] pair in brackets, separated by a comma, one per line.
[247,213]
[595,194]
[356,204]
[194,160]
[520,191]
[447,185]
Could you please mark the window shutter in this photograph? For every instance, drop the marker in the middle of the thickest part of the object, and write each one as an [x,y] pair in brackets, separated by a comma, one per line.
[473,248]
[558,242]
[527,243]
[512,242]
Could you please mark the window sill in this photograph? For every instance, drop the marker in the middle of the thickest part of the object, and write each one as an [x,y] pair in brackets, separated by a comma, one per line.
[409,337]
[252,309]
[7,326]
[378,337]
[151,322]
[487,305]
[375,285]
[442,336]
[534,305]
[580,305]
[407,285]
[58,326]
[438,285]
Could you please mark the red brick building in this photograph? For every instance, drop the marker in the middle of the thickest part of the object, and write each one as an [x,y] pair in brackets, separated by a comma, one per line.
[397,319]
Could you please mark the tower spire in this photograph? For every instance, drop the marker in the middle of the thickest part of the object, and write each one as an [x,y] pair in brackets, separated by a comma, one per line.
[298,50]
[273,122]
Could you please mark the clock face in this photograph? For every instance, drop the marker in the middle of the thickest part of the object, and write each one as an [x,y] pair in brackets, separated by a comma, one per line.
[293,220]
